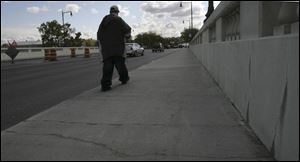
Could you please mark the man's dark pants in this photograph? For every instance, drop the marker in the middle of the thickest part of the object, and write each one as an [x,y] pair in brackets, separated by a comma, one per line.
[108,69]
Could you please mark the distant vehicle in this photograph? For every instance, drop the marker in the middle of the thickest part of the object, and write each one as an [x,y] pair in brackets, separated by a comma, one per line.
[174,46]
[183,45]
[158,47]
[167,46]
[134,49]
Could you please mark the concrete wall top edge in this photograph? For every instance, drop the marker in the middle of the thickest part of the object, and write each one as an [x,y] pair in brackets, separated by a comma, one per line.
[256,39]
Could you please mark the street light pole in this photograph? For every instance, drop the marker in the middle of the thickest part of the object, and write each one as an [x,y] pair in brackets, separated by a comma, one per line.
[62,15]
[63,21]
[180,5]
[191,15]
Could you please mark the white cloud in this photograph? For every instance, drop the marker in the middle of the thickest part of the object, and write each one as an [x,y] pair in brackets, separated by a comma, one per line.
[44,9]
[94,11]
[87,32]
[73,7]
[36,10]
[33,9]
[124,11]
[170,25]
[165,17]
[19,34]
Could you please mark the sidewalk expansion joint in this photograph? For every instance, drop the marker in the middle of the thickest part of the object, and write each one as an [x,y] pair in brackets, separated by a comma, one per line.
[135,124]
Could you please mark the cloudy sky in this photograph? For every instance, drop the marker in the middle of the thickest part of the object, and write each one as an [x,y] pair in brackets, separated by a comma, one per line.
[20,19]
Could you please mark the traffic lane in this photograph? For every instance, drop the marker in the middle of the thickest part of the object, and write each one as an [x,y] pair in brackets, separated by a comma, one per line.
[14,74]
[26,97]
[30,66]
[42,85]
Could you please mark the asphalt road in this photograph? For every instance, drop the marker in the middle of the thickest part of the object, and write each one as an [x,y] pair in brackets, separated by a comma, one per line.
[32,86]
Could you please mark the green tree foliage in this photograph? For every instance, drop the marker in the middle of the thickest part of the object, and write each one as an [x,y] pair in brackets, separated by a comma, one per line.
[188,34]
[90,43]
[148,39]
[54,34]
[74,42]
[172,41]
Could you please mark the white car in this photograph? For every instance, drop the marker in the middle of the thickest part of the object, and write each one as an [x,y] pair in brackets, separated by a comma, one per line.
[134,49]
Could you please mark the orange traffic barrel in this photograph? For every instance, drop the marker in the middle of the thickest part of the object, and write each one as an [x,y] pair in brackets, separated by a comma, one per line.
[73,54]
[47,54]
[86,52]
[52,55]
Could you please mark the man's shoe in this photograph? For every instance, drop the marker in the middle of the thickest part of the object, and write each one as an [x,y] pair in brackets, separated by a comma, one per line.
[103,89]
[124,82]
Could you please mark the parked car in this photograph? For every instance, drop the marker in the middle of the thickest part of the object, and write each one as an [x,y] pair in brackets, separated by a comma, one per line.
[134,49]
[158,47]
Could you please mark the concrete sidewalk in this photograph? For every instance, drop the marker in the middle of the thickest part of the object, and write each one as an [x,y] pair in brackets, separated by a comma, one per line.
[170,110]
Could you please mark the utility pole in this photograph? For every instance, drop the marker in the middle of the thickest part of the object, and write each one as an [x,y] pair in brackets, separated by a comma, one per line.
[180,5]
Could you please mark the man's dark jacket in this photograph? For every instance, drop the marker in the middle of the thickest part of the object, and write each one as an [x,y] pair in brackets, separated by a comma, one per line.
[111,34]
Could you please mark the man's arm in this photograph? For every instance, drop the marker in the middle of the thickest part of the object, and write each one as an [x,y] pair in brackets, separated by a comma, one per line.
[99,32]
[100,29]
[126,29]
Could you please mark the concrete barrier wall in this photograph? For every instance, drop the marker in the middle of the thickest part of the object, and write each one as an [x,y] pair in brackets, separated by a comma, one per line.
[261,77]
[30,53]
[254,57]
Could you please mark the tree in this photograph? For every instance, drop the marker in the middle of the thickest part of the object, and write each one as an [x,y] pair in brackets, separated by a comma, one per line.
[74,42]
[188,34]
[90,43]
[77,40]
[148,39]
[172,41]
[54,34]
[51,33]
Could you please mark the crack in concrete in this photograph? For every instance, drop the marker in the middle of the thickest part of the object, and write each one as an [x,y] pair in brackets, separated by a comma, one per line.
[63,122]
[280,120]
[249,70]
[114,151]
[126,155]
[247,113]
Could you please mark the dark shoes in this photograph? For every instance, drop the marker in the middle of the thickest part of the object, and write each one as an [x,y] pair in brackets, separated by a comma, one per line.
[124,82]
[103,89]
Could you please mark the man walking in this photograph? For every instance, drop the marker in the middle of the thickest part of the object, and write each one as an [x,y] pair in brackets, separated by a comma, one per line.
[112,33]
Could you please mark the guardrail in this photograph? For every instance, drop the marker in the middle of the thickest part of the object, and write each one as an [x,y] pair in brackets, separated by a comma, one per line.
[251,48]
[31,53]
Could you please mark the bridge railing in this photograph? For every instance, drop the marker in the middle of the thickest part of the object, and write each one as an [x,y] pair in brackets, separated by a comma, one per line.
[251,48]
[258,19]
[38,52]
